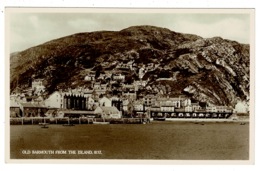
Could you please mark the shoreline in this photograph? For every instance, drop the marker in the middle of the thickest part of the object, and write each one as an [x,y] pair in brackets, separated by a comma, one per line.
[167,120]
[202,120]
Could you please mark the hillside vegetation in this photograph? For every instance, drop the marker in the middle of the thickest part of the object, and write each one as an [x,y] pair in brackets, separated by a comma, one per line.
[214,70]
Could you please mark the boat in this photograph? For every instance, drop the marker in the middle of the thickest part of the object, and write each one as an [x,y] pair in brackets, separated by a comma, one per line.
[101,123]
[44,125]
[159,119]
[68,125]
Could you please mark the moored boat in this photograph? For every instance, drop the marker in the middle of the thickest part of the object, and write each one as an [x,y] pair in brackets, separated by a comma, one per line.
[101,123]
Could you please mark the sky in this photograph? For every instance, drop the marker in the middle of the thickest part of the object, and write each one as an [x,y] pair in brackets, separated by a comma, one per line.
[28,29]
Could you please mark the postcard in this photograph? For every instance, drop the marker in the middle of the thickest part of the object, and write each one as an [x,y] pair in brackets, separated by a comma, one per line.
[113,85]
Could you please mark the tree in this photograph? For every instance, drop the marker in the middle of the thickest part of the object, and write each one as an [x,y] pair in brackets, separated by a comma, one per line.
[129,79]
[98,70]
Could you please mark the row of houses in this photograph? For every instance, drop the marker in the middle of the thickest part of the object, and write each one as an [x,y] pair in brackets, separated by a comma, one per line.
[40,110]
[112,77]
[89,102]
[165,106]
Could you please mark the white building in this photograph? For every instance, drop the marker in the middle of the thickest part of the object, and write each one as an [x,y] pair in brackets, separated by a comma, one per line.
[241,107]
[108,112]
[167,109]
[141,73]
[90,103]
[175,102]
[125,105]
[140,83]
[211,109]
[186,102]
[55,100]
[38,86]
[195,106]
[104,101]
[188,109]
[119,77]
[138,106]
[90,77]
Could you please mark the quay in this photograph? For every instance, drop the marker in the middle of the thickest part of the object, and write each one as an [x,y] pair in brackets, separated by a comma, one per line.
[80,120]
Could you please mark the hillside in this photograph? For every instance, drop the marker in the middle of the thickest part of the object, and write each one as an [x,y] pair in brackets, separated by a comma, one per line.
[213,70]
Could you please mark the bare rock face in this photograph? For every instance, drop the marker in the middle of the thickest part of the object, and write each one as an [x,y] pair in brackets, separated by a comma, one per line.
[226,64]
[212,70]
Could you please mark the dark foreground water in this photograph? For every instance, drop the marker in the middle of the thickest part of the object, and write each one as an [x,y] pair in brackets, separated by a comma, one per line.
[158,140]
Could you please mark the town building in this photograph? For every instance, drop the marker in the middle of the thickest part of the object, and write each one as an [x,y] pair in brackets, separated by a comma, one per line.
[33,109]
[195,106]
[118,77]
[241,107]
[140,83]
[118,104]
[55,100]
[90,103]
[108,112]
[175,102]
[138,105]
[100,88]
[104,101]
[76,102]
[188,108]
[90,77]
[212,109]
[66,100]
[126,105]
[76,114]
[224,109]
[149,100]
[37,86]
[15,109]
[141,73]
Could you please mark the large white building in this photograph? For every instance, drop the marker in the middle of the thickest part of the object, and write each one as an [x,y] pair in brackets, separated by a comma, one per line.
[55,100]
[241,107]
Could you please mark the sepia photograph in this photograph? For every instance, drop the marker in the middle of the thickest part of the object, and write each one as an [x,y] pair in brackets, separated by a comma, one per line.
[130,84]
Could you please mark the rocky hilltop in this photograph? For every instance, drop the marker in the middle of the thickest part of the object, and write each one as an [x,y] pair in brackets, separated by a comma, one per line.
[215,70]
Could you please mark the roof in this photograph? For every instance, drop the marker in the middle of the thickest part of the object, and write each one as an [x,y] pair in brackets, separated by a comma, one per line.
[201,110]
[125,102]
[109,110]
[180,110]
[224,107]
[51,111]
[129,86]
[77,112]
[88,92]
[104,98]
[33,105]
[167,103]
[137,102]
[14,104]
[155,107]
[170,99]
[197,103]
[55,93]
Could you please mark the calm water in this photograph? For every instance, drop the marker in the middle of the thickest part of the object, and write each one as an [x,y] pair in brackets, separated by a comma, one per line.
[158,140]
